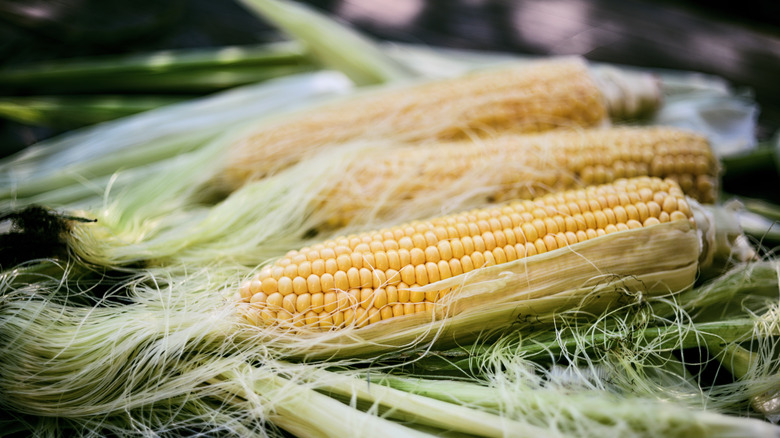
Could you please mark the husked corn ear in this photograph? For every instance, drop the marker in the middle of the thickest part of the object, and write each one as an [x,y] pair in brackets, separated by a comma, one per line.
[526,98]
[522,166]
[370,277]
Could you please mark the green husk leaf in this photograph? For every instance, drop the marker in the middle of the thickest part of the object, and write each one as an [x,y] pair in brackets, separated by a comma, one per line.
[406,406]
[68,112]
[152,136]
[333,44]
[168,71]
[582,412]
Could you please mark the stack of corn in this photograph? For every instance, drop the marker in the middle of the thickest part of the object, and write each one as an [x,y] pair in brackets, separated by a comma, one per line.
[560,187]
[495,135]
[568,216]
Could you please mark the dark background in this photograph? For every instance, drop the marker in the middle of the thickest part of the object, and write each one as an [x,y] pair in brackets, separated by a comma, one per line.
[739,41]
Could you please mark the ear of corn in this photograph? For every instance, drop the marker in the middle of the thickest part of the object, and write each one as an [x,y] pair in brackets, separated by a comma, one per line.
[496,169]
[526,98]
[363,185]
[489,266]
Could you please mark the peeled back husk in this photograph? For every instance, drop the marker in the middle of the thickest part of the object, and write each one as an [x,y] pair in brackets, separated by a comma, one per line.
[530,293]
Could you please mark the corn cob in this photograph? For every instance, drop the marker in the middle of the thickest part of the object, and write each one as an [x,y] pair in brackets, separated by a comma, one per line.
[529,98]
[423,267]
[516,166]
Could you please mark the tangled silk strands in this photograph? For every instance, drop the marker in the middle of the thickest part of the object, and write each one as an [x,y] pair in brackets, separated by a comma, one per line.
[163,363]
[161,355]
[631,371]
[170,363]
[262,220]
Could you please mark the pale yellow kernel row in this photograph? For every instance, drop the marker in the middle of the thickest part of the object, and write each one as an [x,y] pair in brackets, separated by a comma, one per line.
[522,167]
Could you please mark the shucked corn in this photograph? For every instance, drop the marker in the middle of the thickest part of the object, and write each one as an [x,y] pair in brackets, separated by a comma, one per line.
[526,98]
[371,277]
[516,166]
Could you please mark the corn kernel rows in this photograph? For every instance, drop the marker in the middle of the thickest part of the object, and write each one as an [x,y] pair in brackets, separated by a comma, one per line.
[366,278]
[522,166]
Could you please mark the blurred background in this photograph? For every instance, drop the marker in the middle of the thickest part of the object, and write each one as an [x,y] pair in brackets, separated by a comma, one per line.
[738,41]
